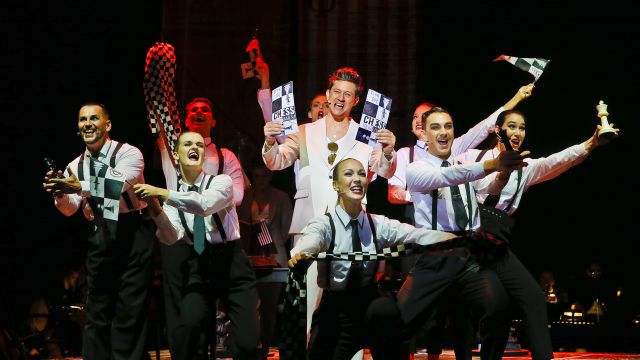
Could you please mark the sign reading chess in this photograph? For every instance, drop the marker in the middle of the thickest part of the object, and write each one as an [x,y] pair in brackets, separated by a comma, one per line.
[375,116]
[283,108]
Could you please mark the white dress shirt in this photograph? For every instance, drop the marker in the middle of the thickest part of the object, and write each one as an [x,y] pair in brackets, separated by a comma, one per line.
[316,238]
[129,162]
[210,166]
[218,198]
[472,138]
[428,174]
[539,170]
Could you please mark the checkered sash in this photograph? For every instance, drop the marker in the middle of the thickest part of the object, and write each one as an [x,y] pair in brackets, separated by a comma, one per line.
[392,251]
[534,66]
[105,184]
[159,93]
[293,339]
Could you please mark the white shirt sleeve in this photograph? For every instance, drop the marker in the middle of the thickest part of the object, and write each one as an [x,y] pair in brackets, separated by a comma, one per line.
[476,134]
[316,237]
[218,196]
[392,231]
[422,177]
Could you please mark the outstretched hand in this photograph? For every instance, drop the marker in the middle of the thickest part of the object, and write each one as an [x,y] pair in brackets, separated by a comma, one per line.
[147,192]
[595,140]
[57,185]
[300,259]
[510,160]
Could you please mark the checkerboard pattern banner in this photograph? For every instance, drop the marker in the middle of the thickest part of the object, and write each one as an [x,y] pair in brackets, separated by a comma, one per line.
[159,93]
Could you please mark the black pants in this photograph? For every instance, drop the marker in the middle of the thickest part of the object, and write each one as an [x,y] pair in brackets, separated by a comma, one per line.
[525,292]
[222,271]
[483,295]
[119,276]
[349,320]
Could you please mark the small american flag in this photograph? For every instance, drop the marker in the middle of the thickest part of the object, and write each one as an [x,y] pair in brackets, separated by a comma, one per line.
[264,237]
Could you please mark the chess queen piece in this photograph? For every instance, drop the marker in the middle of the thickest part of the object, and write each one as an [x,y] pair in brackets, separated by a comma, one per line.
[607,131]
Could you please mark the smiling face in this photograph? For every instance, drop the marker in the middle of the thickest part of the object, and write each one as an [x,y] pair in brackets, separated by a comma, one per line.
[439,134]
[515,127]
[93,126]
[416,122]
[200,118]
[342,98]
[318,108]
[350,180]
[189,150]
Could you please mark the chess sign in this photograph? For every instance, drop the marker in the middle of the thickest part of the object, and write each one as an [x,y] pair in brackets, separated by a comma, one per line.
[283,108]
[375,116]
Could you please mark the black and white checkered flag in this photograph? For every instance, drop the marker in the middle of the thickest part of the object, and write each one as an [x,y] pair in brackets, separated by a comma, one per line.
[534,66]
[159,93]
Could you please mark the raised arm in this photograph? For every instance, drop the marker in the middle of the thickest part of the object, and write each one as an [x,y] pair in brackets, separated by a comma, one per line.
[481,130]
[397,188]
[383,160]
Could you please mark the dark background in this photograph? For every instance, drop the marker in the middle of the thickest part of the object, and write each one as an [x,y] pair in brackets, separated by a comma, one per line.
[56,56]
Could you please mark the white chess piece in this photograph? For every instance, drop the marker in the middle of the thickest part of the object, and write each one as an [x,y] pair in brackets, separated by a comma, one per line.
[607,131]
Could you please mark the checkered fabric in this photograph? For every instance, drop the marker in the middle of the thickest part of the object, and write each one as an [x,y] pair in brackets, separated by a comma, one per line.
[395,251]
[159,93]
[293,334]
[534,66]
[390,252]
[105,185]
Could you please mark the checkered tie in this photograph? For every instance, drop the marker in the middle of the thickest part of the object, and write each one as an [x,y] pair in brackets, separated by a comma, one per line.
[198,229]
[458,206]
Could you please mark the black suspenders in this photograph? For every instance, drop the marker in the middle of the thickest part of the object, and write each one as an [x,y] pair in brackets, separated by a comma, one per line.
[214,216]
[332,244]
[492,200]
[112,164]
[434,207]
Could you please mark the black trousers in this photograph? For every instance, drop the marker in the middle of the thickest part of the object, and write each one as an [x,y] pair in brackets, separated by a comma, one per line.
[527,295]
[193,282]
[119,276]
[349,320]
[483,294]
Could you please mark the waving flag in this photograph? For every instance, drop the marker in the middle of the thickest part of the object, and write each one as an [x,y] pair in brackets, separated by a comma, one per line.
[534,66]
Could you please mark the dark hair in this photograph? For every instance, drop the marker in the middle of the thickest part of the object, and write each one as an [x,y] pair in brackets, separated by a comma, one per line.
[503,116]
[492,140]
[315,96]
[434,110]
[95,103]
[199,99]
[346,74]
